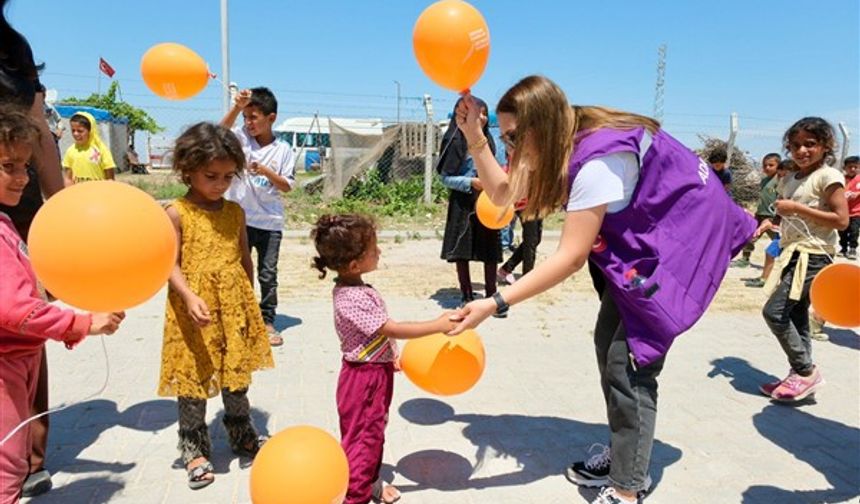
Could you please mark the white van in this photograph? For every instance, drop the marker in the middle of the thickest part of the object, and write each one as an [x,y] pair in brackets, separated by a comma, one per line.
[309,136]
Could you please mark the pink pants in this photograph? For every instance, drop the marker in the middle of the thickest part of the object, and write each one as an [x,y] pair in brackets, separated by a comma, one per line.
[19,375]
[364,392]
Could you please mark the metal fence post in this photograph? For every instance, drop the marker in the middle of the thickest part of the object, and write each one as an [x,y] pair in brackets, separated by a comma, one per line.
[428,150]
[846,145]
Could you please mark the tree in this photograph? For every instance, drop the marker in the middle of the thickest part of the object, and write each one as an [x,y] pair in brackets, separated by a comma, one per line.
[138,119]
[745,176]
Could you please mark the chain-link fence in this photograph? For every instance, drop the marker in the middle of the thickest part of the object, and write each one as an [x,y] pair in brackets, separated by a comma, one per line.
[397,152]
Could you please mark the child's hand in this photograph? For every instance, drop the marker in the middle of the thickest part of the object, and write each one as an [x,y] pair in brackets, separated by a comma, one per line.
[765,226]
[198,310]
[243,98]
[106,323]
[255,168]
[473,314]
[447,321]
[786,207]
[476,184]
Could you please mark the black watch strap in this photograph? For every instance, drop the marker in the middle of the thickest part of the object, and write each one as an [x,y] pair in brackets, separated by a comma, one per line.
[501,305]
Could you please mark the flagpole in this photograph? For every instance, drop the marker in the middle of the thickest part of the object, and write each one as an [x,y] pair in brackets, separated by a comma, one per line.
[100,76]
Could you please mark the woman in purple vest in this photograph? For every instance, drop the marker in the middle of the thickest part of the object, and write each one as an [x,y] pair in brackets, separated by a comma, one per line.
[637,203]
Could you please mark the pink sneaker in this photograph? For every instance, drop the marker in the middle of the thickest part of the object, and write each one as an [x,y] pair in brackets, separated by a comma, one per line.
[795,387]
[768,388]
[505,276]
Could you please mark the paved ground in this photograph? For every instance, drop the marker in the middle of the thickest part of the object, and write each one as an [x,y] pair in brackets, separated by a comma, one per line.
[537,408]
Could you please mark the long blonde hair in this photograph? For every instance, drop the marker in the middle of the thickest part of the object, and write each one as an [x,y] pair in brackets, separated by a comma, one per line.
[549,125]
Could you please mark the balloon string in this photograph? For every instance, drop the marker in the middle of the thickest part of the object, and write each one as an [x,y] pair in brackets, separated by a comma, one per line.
[66,405]
[805,231]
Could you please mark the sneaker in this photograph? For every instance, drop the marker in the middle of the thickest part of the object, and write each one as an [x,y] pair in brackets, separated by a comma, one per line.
[505,277]
[816,329]
[593,472]
[768,388]
[608,495]
[36,483]
[755,282]
[740,263]
[851,254]
[843,252]
[796,388]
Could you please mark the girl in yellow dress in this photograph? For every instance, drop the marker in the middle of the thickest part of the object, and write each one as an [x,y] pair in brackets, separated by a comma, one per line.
[214,335]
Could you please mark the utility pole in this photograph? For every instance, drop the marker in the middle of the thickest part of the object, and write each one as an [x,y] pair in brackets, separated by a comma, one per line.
[428,150]
[661,83]
[225,59]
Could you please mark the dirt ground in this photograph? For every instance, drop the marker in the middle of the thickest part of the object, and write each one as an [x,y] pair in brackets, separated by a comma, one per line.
[412,268]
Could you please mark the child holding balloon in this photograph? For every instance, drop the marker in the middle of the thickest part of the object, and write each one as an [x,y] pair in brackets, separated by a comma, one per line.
[347,245]
[27,320]
[812,207]
[214,335]
[88,158]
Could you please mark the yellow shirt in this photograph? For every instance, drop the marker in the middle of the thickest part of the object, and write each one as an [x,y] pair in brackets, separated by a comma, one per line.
[88,163]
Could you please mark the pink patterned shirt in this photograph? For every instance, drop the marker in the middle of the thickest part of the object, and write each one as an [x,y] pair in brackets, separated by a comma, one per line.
[359,313]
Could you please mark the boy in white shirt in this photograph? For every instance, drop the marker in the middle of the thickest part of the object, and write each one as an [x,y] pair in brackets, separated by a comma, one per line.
[270,171]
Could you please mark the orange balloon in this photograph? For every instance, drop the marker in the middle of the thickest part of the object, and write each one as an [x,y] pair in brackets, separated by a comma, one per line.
[444,365]
[300,465]
[835,294]
[174,71]
[452,44]
[102,246]
[490,215]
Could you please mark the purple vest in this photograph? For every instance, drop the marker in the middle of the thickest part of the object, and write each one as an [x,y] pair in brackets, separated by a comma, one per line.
[665,254]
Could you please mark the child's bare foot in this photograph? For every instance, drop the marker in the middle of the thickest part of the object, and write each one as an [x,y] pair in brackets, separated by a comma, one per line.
[390,494]
[385,494]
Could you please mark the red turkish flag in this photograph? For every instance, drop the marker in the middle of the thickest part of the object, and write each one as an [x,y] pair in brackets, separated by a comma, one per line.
[106,68]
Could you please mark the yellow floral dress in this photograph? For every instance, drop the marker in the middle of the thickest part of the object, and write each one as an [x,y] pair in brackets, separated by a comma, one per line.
[198,362]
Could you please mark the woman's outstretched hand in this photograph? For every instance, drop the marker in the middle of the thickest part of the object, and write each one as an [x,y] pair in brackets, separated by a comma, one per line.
[473,314]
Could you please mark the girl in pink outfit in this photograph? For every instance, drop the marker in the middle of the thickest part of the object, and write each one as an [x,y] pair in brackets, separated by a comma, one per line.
[346,244]
[26,319]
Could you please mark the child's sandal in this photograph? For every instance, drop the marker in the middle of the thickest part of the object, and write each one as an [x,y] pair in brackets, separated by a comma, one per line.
[254,448]
[198,476]
[379,487]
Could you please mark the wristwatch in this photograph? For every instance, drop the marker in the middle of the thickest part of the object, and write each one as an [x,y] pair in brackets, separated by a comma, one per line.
[501,305]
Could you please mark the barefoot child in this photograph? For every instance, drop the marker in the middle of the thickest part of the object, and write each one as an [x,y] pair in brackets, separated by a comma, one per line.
[346,244]
[214,335]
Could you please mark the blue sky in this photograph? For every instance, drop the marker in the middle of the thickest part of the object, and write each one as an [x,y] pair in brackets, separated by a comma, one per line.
[770,61]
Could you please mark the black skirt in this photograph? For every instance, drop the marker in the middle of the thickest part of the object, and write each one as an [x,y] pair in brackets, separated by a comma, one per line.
[466,239]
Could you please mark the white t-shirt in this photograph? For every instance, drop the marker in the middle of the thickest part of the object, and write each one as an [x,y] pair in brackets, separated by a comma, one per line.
[608,180]
[261,201]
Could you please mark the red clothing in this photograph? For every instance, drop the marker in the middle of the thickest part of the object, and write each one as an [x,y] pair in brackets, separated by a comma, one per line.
[364,392]
[18,381]
[26,319]
[852,192]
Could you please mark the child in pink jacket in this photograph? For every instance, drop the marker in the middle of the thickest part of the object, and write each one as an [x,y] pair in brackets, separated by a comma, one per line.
[26,319]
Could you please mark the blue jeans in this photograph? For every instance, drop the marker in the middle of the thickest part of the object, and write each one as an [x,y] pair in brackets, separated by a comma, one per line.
[507,234]
[268,244]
